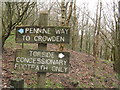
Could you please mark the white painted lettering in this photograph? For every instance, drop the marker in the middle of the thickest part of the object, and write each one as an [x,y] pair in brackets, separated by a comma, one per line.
[38,30]
[17,59]
[61,31]
[41,54]
[26,38]
[44,67]
[37,68]
[65,68]
[49,39]
[16,65]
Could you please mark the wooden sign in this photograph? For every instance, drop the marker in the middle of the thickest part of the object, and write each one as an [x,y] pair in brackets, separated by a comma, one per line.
[46,34]
[42,61]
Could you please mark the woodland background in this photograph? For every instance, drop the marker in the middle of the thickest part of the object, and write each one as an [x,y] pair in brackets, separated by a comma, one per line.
[96,34]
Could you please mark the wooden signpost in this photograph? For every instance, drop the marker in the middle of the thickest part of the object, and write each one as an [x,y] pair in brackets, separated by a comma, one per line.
[42,34]
[41,60]
[41,76]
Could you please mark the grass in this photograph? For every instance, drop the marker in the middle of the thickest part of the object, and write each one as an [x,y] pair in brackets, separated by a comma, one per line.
[49,84]
[11,43]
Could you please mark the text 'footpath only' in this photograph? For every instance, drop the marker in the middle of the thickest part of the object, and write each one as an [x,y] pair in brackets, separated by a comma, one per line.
[37,34]
[42,61]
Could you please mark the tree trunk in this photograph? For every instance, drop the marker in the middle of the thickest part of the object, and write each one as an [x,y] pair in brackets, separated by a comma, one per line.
[81,40]
[4,38]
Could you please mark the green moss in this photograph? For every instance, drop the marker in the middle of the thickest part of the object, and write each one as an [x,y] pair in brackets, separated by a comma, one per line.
[50,84]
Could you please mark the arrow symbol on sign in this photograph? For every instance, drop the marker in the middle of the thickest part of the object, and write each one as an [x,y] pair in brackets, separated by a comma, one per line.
[21,30]
[61,55]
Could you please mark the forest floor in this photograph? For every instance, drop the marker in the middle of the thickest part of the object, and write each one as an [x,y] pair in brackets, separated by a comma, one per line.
[0,70]
[82,74]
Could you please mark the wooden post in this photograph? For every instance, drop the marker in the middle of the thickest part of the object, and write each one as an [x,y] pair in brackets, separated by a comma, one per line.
[22,45]
[17,83]
[43,21]
[61,46]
